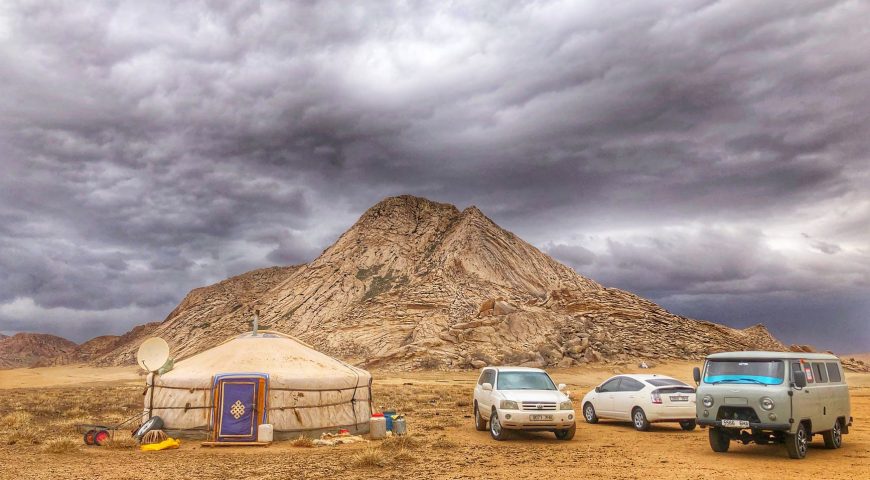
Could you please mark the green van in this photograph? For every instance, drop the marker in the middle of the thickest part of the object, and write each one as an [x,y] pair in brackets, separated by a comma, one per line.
[773,397]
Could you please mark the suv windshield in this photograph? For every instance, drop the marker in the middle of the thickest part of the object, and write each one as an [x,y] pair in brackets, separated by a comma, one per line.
[524,381]
[763,372]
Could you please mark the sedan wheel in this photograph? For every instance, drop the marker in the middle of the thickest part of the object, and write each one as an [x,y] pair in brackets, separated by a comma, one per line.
[639,419]
[589,413]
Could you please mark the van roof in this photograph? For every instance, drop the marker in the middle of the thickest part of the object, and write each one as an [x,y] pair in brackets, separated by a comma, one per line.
[771,356]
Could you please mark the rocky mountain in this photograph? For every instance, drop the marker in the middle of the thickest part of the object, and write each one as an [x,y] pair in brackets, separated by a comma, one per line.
[32,349]
[419,284]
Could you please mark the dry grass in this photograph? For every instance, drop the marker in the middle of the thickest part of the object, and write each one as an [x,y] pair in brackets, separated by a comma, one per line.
[463,402]
[370,457]
[403,442]
[444,443]
[60,445]
[302,441]
[40,415]
[121,443]
[15,419]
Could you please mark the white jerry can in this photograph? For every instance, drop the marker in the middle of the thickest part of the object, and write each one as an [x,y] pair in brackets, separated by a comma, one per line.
[265,432]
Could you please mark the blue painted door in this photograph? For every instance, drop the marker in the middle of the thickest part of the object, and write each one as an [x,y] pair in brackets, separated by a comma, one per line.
[238,415]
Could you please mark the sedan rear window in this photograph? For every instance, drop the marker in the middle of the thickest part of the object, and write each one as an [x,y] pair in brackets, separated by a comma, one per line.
[664,382]
[524,381]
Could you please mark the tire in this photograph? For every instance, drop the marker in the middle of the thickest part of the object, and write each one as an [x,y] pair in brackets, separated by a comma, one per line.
[496,431]
[797,443]
[688,425]
[153,423]
[834,436]
[479,422]
[589,413]
[638,418]
[101,437]
[89,437]
[719,440]
[566,434]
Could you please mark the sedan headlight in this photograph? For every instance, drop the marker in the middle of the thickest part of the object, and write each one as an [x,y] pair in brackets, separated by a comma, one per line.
[566,405]
[767,403]
[508,405]
[708,401]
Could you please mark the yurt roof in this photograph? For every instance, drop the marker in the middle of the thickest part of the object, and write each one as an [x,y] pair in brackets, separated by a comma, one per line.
[287,360]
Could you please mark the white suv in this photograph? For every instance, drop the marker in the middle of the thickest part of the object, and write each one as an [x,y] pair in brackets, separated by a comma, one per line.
[518,398]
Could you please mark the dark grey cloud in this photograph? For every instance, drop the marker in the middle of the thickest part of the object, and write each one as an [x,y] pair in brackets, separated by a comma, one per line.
[679,150]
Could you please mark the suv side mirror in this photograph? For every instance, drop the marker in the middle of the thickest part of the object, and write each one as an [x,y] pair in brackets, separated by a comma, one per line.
[696,374]
[800,379]
[561,386]
[597,389]
[487,387]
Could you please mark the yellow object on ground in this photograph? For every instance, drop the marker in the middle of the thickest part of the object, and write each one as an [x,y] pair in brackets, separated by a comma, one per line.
[168,443]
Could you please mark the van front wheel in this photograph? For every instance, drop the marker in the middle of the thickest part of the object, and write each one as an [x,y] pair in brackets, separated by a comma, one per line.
[797,443]
[719,440]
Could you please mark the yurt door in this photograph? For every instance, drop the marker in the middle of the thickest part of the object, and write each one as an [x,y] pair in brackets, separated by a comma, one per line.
[240,406]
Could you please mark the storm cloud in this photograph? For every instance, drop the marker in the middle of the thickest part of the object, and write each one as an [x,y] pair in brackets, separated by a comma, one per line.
[711,156]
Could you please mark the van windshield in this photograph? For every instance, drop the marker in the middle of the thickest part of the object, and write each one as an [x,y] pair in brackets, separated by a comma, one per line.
[524,381]
[763,372]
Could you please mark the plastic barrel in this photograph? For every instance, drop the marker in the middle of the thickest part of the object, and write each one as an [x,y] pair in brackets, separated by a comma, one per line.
[377,426]
[389,415]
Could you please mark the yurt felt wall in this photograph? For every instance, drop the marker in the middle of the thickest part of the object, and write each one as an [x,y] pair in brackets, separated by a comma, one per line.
[307,391]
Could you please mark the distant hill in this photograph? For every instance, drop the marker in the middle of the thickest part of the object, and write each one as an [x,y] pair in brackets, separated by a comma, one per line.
[32,349]
[420,284]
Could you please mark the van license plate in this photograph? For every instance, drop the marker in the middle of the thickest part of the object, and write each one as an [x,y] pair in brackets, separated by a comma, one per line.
[540,418]
[679,398]
[735,423]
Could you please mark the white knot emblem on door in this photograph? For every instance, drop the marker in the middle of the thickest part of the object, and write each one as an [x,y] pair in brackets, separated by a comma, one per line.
[237,409]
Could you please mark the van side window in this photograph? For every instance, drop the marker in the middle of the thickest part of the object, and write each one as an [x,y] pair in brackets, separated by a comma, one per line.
[834,372]
[808,370]
[820,372]
[483,376]
[490,378]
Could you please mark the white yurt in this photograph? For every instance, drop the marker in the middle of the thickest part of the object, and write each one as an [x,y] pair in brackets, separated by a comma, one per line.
[265,377]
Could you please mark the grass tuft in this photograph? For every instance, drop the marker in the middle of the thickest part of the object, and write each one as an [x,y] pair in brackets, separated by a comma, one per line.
[61,445]
[302,441]
[370,457]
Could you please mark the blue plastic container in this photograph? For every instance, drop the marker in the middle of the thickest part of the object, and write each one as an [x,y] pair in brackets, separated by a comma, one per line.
[389,414]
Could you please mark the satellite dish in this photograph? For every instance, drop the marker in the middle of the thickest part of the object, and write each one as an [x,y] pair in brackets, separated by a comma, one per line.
[152,354]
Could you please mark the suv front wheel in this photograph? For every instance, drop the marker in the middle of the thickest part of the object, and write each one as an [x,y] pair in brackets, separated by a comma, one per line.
[495,429]
[567,433]
[479,422]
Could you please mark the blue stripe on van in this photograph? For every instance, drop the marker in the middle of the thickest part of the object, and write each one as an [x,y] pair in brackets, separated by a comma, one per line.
[738,379]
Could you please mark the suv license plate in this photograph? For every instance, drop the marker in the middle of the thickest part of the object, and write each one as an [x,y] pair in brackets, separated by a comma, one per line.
[540,418]
[735,423]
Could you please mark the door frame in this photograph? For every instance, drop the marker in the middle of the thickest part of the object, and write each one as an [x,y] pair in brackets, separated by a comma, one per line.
[260,416]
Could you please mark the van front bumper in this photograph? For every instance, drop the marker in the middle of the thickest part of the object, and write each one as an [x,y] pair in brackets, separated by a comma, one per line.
[753,425]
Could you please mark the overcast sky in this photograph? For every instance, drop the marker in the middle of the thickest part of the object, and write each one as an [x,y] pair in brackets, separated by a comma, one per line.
[712,156]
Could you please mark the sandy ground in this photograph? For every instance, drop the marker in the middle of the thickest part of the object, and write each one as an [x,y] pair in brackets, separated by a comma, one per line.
[443,441]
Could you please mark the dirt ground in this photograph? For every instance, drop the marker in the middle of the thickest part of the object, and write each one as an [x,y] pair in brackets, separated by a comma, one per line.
[39,407]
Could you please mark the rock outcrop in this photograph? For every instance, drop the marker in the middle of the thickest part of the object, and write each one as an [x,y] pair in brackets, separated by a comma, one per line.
[32,349]
[420,284]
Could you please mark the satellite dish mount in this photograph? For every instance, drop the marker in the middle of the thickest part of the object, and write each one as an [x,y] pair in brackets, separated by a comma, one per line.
[152,355]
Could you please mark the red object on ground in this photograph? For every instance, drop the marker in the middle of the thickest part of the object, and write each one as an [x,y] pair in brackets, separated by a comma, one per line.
[377,414]
[89,437]
[344,431]
[101,438]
